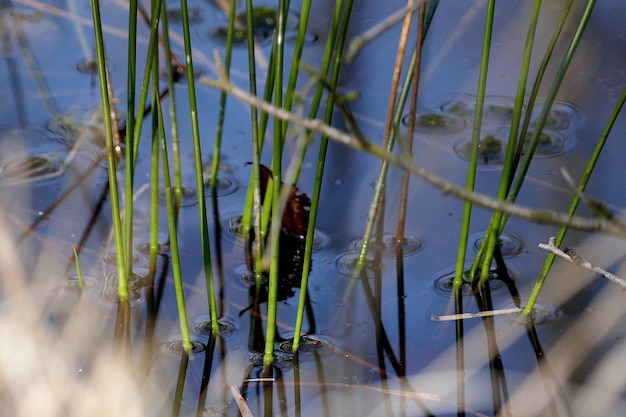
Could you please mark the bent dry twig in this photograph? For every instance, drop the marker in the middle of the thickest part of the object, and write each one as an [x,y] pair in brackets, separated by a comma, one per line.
[572,256]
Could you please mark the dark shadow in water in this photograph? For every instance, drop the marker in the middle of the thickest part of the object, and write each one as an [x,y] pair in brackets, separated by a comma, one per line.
[554,391]
[177,401]
[499,385]
[206,371]
[121,333]
[153,304]
[500,391]
[383,345]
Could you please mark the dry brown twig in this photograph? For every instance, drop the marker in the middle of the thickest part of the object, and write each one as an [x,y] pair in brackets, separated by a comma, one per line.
[542,216]
[572,256]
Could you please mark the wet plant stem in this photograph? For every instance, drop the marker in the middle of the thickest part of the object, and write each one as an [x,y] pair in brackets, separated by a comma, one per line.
[171,222]
[404,188]
[111,154]
[582,184]
[473,159]
[467,206]
[252,210]
[131,73]
[276,224]
[335,43]
[198,168]
[173,119]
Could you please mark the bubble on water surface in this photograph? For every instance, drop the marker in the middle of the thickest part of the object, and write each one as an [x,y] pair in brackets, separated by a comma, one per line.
[202,325]
[110,257]
[411,244]
[244,277]
[496,109]
[445,281]
[281,360]
[188,196]
[510,244]
[430,122]
[162,248]
[491,150]
[264,21]
[233,227]
[550,144]
[346,265]
[175,15]
[110,288]
[226,185]
[72,284]
[308,345]
[561,118]
[176,347]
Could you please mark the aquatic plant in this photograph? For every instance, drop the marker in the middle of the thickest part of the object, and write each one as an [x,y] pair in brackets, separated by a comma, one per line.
[252,114]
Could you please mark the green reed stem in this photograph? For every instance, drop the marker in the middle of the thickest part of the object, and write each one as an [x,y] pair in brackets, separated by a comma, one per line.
[457,283]
[508,168]
[252,208]
[297,55]
[217,144]
[198,169]
[473,160]
[111,154]
[336,36]
[145,85]
[130,134]
[171,222]
[154,178]
[173,119]
[154,203]
[574,203]
[276,225]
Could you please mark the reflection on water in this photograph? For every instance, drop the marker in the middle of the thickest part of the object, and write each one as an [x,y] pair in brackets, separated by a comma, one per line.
[370,346]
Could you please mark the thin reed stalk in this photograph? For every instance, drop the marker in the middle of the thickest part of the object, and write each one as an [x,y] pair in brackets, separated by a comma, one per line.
[276,224]
[120,251]
[198,168]
[171,222]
